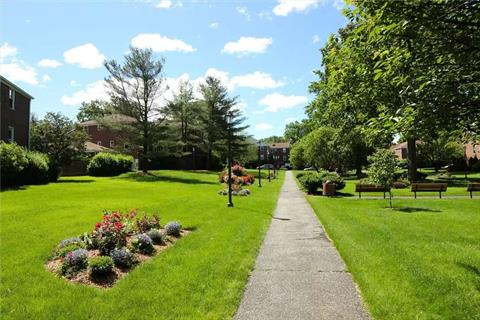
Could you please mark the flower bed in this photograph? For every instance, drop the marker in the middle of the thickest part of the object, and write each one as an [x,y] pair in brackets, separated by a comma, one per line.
[117,244]
[240,178]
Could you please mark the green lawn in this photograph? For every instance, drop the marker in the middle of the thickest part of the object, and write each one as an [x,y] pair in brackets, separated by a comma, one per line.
[419,261]
[201,277]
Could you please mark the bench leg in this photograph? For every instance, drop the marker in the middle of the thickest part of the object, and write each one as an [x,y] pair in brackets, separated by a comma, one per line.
[440,194]
[359,195]
[415,194]
[471,195]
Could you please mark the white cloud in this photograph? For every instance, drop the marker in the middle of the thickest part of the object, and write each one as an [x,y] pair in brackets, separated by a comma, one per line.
[263,126]
[164,4]
[284,7]
[49,63]
[265,15]
[316,38]
[338,4]
[241,105]
[256,80]
[86,56]
[276,101]
[73,83]
[214,25]
[93,91]
[159,43]
[244,12]
[289,120]
[46,78]
[7,50]
[247,45]
[19,71]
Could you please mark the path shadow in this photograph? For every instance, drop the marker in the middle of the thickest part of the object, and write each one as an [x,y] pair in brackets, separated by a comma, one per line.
[150,177]
[414,209]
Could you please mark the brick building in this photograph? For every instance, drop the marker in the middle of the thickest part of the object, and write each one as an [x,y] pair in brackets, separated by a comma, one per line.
[14,113]
[274,153]
[105,137]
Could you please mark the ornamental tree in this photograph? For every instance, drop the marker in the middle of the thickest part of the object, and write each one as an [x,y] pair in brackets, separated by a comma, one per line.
[382,168]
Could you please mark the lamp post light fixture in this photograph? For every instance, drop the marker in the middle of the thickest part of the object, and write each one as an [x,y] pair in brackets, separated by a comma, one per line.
[229,160]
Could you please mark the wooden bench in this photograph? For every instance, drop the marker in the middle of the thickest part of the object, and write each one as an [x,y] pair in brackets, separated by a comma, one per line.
[360,187]
[473,187]
[429,187]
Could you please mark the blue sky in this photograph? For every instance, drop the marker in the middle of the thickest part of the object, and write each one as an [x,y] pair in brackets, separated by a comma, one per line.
[263,51]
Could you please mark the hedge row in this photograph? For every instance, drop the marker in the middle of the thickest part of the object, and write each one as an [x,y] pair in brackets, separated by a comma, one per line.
[20,167]
[109,164]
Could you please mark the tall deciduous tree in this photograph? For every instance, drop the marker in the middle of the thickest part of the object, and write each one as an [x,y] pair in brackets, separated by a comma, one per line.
[59,138]
[94,110]
[137,85]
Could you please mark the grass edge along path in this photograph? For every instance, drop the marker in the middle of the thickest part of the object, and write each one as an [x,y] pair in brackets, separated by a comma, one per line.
[201,277]
[420,261]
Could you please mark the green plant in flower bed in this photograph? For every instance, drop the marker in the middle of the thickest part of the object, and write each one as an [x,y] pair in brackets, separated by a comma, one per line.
[100,266]
[146,223]
[74,261]
[63,251]
[123,258]
[173,229]
[143,244]
[157,236]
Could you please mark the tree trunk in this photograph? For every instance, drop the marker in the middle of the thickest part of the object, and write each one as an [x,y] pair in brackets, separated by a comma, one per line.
[208,158]
[412,159]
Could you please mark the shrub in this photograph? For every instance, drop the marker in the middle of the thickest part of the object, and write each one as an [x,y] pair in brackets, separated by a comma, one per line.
[401,184]
[421,175]
[123,258]
[143,244]
[476,166]
[100,266]
[63,251]
[334,178]
[310,181]
[13,159]
[109,164]
[88,240]
[74,261]
[157,236]
[109,234]
[146,223]
[37,169]
[173,228]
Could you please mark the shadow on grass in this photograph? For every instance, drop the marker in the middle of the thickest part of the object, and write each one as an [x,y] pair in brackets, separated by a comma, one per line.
[74,181]
[150,177]
[414,209]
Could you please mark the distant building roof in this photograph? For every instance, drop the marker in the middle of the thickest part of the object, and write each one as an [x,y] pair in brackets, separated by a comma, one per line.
[91,147]
[403,145]
[17,88]
[279,145]
[117,118]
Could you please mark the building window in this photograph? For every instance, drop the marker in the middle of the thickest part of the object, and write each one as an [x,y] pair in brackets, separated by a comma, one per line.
[284,150]
[99,143]
[11,134]
[112,143]
[262,157]
[11,98]
[99,127]
[125,146]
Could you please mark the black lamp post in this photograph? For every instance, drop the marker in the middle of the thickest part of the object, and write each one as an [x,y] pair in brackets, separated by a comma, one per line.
[259,170]
[466,160]
[229,161]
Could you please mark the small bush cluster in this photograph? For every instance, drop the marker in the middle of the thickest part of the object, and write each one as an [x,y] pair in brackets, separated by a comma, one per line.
[21,167]
[173,228]
[106,164]
[311,180]
[100,266]
[120,240]
[143,244]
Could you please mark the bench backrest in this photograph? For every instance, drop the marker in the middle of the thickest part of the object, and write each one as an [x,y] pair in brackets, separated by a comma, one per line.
[429,187]
[473,187]
[359,187]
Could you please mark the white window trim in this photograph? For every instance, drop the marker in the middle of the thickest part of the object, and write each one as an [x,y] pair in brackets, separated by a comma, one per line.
[12,138]
[112,143]
[99,143]
[12,107]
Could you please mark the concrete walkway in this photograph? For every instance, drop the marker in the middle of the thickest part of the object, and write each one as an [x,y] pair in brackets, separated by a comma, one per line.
[299,273]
